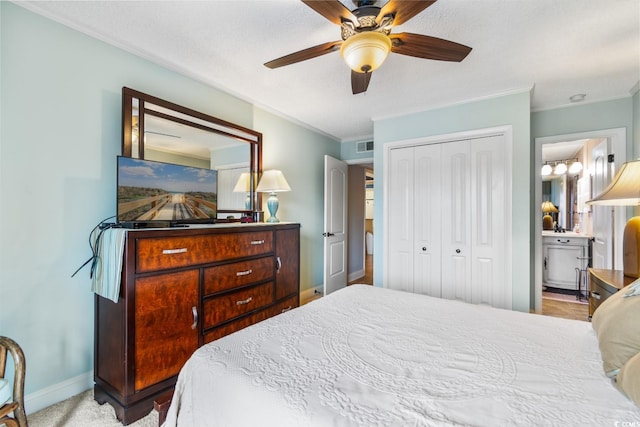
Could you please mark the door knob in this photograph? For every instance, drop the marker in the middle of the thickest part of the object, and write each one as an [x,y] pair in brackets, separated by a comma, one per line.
[457,251]
[424,248]
[328,234]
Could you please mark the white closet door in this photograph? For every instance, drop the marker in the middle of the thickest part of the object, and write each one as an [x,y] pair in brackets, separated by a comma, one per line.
[427,220]
[456,221]
[401,199]
[447,227]
[488,219]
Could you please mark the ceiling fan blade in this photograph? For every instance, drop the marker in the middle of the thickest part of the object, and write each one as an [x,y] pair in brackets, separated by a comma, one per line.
[303,55]
[333,10]
[403,10]
[359,82]
[428,47]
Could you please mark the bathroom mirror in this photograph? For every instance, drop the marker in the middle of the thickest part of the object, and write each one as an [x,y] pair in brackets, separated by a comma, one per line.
[155,129]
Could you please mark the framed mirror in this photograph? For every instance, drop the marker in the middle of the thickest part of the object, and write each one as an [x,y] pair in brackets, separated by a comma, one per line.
[159,130]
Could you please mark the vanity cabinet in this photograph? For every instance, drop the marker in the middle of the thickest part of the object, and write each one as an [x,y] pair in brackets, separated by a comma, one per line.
[180,289]
[562,255]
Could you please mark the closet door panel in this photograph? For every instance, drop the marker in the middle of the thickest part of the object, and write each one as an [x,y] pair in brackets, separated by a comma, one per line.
[400,223]
[456,220]
[488,221]
[427,224]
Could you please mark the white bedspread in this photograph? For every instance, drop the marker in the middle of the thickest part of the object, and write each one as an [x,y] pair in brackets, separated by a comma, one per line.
[366,356]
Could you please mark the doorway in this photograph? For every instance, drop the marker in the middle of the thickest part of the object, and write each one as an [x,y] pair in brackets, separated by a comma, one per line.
[360,214]
[615,143]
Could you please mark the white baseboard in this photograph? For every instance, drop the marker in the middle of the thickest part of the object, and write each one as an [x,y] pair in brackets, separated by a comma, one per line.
[55,393]
[355,275]
[311,294]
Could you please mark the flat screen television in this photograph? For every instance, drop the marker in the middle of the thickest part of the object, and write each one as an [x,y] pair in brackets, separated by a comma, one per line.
[157,194]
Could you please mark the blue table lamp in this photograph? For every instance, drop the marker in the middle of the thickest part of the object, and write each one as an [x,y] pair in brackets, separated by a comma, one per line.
[272,181]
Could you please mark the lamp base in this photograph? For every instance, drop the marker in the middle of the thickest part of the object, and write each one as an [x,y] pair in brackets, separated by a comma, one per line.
[547,222]
[272,205]
[631,248]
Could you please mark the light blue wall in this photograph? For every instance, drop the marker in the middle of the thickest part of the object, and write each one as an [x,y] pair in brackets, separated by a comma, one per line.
[59,137]
[506,110]
[299,153]
[585,117]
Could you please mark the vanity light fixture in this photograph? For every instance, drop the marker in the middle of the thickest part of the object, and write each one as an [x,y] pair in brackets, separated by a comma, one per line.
[560,168]
[546,170]
[273,181]
[575,168]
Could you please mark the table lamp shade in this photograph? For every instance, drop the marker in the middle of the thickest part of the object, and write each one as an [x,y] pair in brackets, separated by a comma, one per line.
[273,181]
[244,186]
[547,220]
[624,190]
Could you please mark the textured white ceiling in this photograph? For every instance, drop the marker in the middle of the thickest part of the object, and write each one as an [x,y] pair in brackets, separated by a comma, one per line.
[556,48]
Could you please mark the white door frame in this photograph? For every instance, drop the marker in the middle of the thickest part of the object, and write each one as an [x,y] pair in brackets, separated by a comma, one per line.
[507,131]
[618,138]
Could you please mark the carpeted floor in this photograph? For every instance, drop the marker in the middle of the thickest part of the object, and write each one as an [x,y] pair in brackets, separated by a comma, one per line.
[82,411]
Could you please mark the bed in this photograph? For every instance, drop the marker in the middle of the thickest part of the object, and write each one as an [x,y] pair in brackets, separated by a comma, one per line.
[368,356]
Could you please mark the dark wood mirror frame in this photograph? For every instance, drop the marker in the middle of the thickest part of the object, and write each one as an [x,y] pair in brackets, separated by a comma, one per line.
[213,124]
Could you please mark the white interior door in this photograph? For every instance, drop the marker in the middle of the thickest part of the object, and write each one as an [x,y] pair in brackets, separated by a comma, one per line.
[427,214]
[335,224]
[601,215]
[456,224]
[401,198]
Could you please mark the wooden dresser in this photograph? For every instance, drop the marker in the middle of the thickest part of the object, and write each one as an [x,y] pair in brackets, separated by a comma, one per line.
[182,288]
[603,284]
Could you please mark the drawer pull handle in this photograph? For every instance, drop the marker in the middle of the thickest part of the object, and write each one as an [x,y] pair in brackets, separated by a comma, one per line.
[257,242]
[244,301]
[278,264]
[284,310]
[194,311]
[566,241]
[244,273]
[174,251]
[595,295]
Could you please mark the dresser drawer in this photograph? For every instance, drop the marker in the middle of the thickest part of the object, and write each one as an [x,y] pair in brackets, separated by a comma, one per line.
[234,326]
[225,307]
[284,306]
[172,252]
[597,294]
[229,276]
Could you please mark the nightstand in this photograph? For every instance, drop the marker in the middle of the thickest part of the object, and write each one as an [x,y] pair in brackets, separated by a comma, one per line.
[603,284]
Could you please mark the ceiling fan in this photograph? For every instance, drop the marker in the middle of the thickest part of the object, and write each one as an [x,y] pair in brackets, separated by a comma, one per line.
[367,39]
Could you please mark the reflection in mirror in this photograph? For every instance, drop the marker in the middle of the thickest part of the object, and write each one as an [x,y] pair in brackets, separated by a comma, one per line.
[154,129]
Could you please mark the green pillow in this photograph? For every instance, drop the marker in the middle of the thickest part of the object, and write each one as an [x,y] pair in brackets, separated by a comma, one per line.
[628,379]
[617,325]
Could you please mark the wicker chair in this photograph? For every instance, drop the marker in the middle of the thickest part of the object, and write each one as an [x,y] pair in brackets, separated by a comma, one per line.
[15,401]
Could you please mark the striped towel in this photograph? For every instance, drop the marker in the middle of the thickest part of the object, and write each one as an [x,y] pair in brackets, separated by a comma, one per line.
[108,263]
[633,289]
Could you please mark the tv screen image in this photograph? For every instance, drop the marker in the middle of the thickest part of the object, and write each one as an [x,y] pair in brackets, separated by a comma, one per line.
[155,191]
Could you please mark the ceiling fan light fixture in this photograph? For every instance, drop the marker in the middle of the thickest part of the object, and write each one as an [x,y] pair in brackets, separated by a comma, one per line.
[365,52]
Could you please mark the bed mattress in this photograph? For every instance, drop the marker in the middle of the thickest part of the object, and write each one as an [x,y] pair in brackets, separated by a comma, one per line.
[367,356]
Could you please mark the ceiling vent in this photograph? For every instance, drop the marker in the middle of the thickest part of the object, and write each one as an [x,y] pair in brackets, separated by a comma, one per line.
[363,147]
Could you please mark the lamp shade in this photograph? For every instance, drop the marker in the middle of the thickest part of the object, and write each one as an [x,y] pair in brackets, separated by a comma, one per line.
[244,183]
[272,181]
[548,207]
[365,52]
[624,190]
